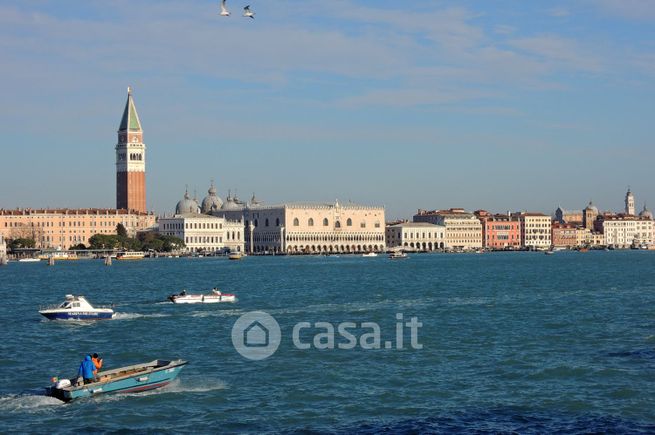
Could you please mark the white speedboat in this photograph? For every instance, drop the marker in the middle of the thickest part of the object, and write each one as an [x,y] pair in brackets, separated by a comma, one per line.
[216,296]
[370,254]
[398,255]
[77,308]
[29,260]
[235,256]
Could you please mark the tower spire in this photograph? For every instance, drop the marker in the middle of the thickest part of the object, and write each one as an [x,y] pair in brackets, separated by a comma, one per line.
[130,120]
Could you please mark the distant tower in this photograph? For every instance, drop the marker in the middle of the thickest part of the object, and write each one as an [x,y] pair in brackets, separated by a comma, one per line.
[130,160]
[629,203]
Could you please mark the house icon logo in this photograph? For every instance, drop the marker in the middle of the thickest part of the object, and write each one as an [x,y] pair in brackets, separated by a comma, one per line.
[256,335]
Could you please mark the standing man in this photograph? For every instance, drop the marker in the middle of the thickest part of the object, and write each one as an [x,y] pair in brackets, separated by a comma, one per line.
[86,370]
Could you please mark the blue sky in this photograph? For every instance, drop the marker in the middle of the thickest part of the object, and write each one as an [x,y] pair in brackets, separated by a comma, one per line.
[503,105]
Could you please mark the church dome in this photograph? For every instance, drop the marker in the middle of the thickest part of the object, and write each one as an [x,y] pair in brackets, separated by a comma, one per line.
[645,213]
[231,203]
[187,205]
[212,201]
[591,207]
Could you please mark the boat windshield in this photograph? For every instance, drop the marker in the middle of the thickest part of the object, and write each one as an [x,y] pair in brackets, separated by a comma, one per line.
[65,305]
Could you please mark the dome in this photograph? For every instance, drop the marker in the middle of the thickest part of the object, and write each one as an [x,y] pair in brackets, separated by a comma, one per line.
[231,203]
[593,208]
[187,205]
[212,201]
[645,213]
[254,202]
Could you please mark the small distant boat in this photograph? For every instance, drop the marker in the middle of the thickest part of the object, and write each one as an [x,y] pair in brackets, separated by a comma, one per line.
[550,252]
[370,254]
[76,308]
[398,255]
[130,379]
[130,256]
[63,256]
[29,260]
[583,249]
[235,256]
[216,296]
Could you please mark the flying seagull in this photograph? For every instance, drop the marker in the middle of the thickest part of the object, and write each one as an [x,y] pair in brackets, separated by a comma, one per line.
[248,13]
[224,11]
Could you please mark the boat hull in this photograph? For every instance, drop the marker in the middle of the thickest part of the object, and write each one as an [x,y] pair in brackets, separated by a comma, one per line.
[157,378]
[51,315]
[200,299]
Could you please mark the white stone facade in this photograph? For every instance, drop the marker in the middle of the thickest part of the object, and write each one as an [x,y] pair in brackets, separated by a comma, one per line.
[535,230]
[627,231]
[416,236]
[204,233]
[463,229]
[312,228]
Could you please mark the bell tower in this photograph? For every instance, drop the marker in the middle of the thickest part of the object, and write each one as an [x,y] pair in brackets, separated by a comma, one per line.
[629,203]
[130,160]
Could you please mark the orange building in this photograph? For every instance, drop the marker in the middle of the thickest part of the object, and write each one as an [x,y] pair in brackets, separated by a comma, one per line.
[499,231]
[63,228]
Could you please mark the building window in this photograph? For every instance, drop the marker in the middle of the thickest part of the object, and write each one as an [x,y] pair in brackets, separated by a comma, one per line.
[349,222]
[266,222]
[277,222]
[310,222]
[296,222]
[337,224]
[325,222]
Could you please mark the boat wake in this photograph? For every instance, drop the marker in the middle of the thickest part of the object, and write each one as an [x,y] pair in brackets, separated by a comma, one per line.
[175,387]
[132,316]
[28,403]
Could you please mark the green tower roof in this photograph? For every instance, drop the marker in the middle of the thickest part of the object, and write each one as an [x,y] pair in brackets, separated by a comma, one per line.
[130,118]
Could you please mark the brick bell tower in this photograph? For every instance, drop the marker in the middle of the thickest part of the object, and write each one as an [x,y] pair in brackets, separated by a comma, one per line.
[130,160]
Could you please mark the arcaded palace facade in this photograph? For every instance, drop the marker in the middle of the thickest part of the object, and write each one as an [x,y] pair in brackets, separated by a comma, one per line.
[294,228]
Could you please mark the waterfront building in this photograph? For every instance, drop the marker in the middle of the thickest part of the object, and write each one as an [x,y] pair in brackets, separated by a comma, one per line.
[629,203]
[535,230]
[575,217]
[624,231]
[203,232]
[590,214]
[302,228]
[499,231]
[3,247]
[130,160]
[416,236]
[315,228]
[565,235]
[63,228]
[463,229]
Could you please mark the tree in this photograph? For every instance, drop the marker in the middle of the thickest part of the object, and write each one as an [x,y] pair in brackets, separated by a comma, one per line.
[103,241]
[79,246]
[121,231]
[22,243]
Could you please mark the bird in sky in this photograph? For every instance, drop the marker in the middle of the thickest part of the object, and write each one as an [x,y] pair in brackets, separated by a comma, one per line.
[224,11]
[248,13]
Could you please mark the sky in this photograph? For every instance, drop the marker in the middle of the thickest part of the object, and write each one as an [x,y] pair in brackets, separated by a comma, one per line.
[503,105]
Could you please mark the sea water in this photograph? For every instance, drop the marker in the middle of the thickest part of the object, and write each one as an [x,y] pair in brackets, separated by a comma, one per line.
[509,342]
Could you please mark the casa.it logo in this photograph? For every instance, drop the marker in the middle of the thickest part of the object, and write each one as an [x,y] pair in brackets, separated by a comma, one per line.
[256,335]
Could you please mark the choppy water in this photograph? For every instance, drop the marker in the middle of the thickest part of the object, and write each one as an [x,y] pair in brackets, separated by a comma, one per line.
[511,342]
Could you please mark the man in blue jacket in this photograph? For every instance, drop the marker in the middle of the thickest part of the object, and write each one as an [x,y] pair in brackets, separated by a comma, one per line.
[86,370]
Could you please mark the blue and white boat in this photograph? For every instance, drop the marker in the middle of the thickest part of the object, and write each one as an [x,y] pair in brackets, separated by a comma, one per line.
[77,308]
[130,379]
